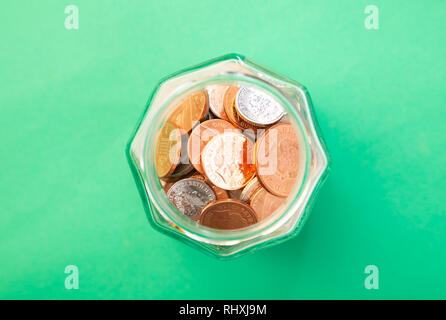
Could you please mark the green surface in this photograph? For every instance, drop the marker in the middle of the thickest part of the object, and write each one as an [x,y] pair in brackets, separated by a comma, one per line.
[69,101]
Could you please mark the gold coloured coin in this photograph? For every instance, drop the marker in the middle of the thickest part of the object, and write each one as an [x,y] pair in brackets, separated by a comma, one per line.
[168,150]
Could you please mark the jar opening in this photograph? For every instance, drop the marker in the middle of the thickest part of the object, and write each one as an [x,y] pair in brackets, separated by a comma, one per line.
[191,228]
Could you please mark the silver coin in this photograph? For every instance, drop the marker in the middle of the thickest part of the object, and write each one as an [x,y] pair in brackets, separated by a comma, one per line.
[257,107]
[190,195]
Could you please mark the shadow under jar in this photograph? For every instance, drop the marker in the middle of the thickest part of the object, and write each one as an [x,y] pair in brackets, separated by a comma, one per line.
[228,156]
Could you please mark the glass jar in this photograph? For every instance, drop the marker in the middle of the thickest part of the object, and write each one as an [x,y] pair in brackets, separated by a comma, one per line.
[285,222]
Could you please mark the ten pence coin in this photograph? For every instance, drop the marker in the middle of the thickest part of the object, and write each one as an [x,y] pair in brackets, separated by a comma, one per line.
[189,196]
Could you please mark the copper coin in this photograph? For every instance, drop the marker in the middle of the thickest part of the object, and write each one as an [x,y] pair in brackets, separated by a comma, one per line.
[201,135]
[168,150]
[216,95]
[277,159]
[227,214]
[189,196]
[190,111]
[231,112]
[265,203]
[251,187]
[227,160]
[219,192]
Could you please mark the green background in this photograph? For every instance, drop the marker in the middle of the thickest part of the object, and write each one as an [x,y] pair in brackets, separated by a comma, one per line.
[70,100]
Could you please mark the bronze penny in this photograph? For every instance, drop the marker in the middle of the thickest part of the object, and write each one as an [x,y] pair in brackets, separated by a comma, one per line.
[168,149]
[216,95]
[227,214]
[227,160]
[201,135]
[219,192]
[231,112]
[265,203]
[190,111]
[277,159]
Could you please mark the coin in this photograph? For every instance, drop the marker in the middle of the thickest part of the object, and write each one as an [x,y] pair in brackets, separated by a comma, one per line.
[216,94]
[227,160]
[168,149]
[231,112]
[252,186]
[227,215]
[201,135]
[277,156]
[189,196]
[219,192]
[190,111]
[265,203]
[257,107]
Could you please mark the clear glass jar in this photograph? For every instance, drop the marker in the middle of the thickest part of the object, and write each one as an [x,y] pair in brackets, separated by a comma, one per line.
[282,224]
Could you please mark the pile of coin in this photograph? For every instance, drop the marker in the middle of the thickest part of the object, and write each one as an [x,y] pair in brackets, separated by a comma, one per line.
[227,157]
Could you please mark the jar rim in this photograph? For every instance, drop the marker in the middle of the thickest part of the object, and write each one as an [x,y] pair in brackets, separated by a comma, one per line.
[156,193]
